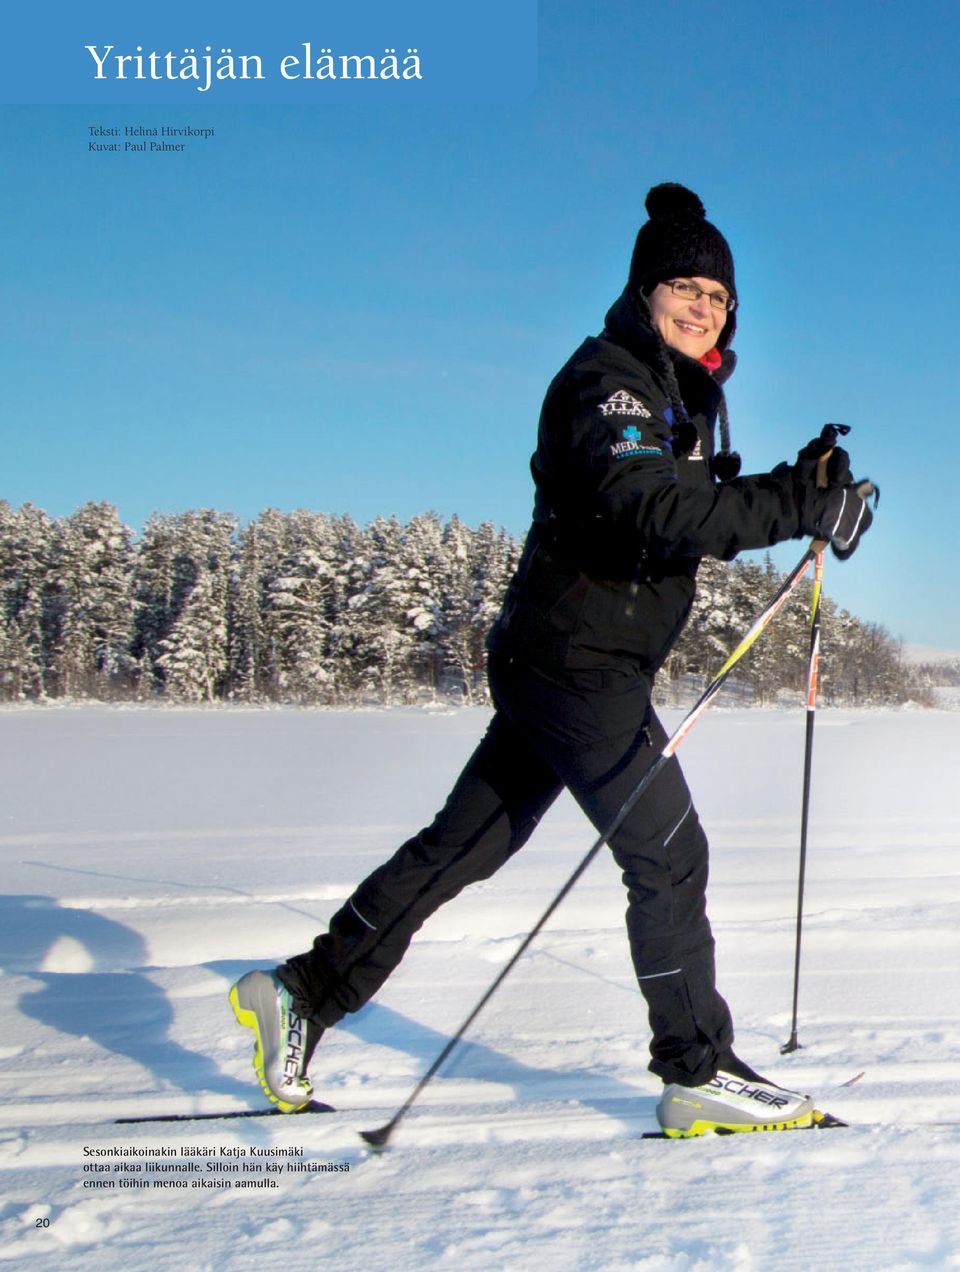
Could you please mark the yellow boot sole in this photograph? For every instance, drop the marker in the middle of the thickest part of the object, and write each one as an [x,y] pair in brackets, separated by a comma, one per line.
[703,1127]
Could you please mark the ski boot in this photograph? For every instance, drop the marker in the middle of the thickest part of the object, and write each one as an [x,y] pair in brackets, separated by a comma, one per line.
[285,1040]
[736,1100]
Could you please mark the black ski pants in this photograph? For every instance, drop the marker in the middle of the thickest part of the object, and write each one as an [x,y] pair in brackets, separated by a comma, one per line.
[595,733]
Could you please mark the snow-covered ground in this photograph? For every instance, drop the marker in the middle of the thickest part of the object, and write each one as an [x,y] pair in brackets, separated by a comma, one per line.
[151,856]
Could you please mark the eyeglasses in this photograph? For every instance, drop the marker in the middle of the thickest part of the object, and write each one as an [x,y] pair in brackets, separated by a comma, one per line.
[690,291]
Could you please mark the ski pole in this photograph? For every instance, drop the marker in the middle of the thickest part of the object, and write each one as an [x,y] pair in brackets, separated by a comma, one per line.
[813,672]
[829,434]
[380,1137]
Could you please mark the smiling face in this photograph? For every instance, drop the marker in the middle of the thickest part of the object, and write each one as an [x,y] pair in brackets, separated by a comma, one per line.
[692,326]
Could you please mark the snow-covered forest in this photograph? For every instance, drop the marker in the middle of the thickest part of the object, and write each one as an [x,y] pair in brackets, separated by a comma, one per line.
[310,608]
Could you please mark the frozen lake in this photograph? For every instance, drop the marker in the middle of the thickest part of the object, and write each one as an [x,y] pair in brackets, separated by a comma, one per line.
[150,856]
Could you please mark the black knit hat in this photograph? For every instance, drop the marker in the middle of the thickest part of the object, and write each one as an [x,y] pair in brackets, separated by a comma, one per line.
[679,242]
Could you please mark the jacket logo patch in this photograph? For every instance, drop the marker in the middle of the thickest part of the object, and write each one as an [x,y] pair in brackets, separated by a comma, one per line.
[622,403]
[632,445]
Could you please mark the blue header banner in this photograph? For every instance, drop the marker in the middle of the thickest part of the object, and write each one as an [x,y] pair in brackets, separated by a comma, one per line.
[293,52]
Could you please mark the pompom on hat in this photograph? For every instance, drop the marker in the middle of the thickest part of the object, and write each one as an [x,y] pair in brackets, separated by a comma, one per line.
[679,242]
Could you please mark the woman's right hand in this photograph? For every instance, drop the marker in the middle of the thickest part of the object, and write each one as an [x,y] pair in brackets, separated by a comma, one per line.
[833,506]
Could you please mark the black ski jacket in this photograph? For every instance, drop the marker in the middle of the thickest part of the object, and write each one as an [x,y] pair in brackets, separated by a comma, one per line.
[626,506]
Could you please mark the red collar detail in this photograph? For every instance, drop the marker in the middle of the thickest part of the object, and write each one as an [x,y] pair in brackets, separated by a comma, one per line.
[712,359]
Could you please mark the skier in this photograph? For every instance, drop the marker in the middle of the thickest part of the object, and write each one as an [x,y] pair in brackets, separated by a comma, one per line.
[630,494]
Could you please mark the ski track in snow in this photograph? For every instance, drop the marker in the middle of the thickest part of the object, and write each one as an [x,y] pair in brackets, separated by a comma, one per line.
[150,857]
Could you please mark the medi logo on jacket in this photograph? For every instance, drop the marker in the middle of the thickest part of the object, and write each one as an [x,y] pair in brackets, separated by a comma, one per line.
[632,445]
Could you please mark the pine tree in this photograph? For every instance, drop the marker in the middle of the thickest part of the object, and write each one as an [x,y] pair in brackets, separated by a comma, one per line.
[456,634]
[346,652]
[193,657]
[298,599]
[259,550]
[92,568]
[386,618]
[26,547]
[155,602]
[180,555]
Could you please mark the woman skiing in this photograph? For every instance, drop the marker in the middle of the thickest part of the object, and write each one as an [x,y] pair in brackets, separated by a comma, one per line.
[630,493]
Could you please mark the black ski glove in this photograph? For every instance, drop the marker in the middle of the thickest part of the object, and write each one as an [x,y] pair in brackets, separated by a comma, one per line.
[846,518]
[833,506]
[810,474]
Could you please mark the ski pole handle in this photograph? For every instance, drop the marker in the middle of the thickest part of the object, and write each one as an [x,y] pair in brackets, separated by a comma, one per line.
[819,545]
[829,432]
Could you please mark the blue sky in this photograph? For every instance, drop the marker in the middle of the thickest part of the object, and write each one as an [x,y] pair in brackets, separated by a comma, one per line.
[355,308]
